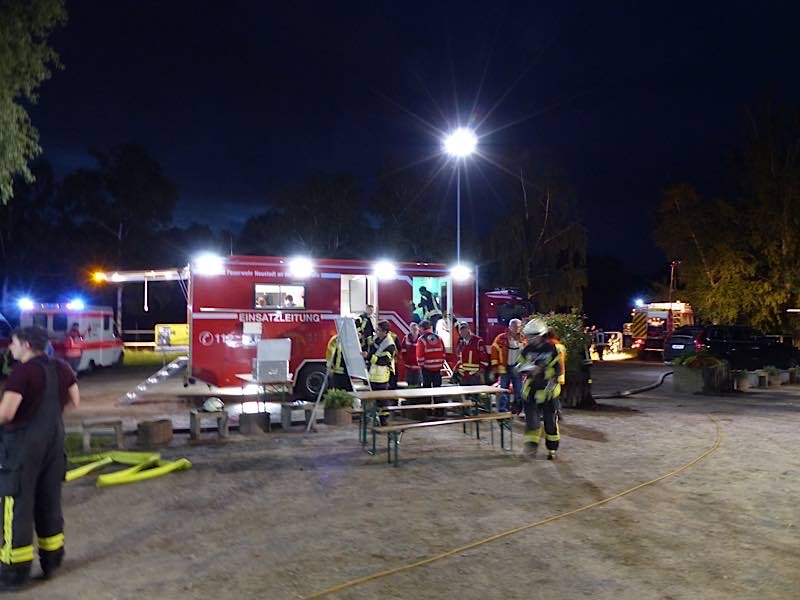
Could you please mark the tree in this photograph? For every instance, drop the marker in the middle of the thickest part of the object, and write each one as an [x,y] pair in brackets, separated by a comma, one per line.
[569,327]
[320,216]
[125,198]
[540,244]
[25,62]
[739,255]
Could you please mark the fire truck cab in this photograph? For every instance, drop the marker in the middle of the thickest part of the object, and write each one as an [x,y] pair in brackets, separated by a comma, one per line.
[652,323]
[95,344]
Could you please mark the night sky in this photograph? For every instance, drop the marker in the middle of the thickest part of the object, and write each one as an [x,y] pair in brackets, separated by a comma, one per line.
[236,99]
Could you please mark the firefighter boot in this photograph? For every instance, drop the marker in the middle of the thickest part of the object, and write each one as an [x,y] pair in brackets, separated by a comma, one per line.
[14,578]
[50,561]
[530,450]
[551,455]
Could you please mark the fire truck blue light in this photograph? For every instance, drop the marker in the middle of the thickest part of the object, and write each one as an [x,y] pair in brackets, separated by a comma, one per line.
[25,303]
[76,304]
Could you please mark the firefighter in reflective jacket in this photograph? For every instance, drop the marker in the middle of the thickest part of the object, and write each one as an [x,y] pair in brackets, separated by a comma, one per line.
[380,358]
[472,357]
[32,450]
[541,362]
[552,337]
[430,355]
[505,353]
[334,359]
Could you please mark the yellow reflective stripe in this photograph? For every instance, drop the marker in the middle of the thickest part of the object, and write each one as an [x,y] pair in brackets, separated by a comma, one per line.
[8,520]
[552,438]
[52,543]
[534,435]
[21,555]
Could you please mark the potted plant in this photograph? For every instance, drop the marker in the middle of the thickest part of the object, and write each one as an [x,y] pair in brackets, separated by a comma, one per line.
[337,404]
[741,380]
[773,375]
[700,372]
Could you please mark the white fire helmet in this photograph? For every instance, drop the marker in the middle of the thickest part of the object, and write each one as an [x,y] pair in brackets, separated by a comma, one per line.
[213,405]
[534,327]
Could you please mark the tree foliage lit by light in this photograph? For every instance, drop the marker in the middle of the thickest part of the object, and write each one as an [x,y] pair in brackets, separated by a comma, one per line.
[25,62]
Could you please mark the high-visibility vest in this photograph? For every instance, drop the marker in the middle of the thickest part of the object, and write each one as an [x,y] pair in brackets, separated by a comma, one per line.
[562,356]
[471,356]
[499,360]
[73,346]
[430,351]
[381,359]
[550,361]
[334,358]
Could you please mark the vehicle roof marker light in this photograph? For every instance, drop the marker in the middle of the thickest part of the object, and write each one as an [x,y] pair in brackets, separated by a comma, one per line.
[208,264]
[99,277]
[301,267]
[460,272]
[25,303]
[639,303]
[76,304]
[384,269]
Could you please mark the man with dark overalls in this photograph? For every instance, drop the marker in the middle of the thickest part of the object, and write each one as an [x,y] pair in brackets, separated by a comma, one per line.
[32,457]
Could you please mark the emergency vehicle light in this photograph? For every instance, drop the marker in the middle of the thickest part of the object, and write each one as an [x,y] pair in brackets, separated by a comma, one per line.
[639,302]
[25,303]
[209,264]
[75,304]
[460,272]
[385,270]
[301,267]
[99,277]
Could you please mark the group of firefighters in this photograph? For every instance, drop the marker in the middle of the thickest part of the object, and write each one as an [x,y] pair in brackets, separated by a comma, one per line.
[534,352]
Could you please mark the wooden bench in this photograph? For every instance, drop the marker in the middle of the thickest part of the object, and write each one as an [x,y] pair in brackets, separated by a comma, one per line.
[288,407]
[103,427]
[196,421]
[393,432]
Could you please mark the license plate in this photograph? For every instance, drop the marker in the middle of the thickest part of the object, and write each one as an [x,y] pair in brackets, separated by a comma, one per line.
[678,346]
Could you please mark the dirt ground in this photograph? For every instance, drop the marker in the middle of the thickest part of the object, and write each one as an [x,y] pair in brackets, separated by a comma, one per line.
[284,515]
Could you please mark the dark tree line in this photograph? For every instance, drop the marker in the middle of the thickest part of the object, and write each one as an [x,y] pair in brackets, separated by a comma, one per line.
[118,214]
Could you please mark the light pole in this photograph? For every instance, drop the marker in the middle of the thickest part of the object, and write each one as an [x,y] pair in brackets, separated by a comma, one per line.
[460,144]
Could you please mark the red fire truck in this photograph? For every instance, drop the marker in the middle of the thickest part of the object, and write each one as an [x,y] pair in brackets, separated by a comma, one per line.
[236,300]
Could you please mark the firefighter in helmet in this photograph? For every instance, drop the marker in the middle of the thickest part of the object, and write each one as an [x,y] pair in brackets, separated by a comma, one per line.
[541,361]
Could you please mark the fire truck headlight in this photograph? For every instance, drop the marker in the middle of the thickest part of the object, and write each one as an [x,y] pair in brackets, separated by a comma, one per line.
[461,272]
[639,303]
[209,264]
[75,304]
[301,267]
[25,304]
[384,270]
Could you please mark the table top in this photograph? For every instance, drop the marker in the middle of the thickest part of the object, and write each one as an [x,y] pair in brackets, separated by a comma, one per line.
[449,390]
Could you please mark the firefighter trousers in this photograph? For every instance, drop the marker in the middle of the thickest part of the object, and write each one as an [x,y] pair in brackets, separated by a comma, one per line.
[534,423]
[31,475]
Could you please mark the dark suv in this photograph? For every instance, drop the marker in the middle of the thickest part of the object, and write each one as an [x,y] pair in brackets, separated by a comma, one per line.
[743,347]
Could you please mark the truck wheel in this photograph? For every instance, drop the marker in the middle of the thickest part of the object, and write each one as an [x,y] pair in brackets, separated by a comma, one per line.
[310,381]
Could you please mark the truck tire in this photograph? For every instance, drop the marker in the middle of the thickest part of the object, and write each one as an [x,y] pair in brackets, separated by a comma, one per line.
[309,381]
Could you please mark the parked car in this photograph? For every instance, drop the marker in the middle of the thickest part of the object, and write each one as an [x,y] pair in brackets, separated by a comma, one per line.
[743,347]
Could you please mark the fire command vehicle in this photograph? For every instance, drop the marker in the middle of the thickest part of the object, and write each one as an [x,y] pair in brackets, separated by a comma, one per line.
[96,346]
[235,301]
[652,323]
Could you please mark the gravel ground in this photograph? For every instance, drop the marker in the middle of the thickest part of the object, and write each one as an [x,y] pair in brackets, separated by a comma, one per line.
[284,515]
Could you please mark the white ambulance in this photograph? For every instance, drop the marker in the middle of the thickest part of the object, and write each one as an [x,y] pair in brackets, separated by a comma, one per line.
[84,336]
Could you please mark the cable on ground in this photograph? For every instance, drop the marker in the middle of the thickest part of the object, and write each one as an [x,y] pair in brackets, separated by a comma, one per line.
[436,557]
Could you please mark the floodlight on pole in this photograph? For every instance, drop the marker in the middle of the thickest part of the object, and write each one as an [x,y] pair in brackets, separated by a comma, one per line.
[460,144]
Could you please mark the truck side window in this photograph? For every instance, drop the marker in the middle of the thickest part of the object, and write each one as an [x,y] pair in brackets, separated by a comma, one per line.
[106,322]
[40,320]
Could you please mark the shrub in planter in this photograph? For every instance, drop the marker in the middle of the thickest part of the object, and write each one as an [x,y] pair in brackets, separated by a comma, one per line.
[701,372]
[773,374]
[741,380]
[337,404]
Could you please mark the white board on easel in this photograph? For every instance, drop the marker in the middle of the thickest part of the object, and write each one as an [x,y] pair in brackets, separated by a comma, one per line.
[351,347]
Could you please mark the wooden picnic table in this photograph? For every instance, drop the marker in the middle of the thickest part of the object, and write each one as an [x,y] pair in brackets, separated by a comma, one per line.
[369,399]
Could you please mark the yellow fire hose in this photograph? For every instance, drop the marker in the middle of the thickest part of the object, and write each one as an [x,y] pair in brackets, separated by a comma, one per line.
[143,465]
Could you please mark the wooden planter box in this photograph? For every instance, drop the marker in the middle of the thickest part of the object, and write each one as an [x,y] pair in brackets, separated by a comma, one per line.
[712,380]
[338,416]
[686,380]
